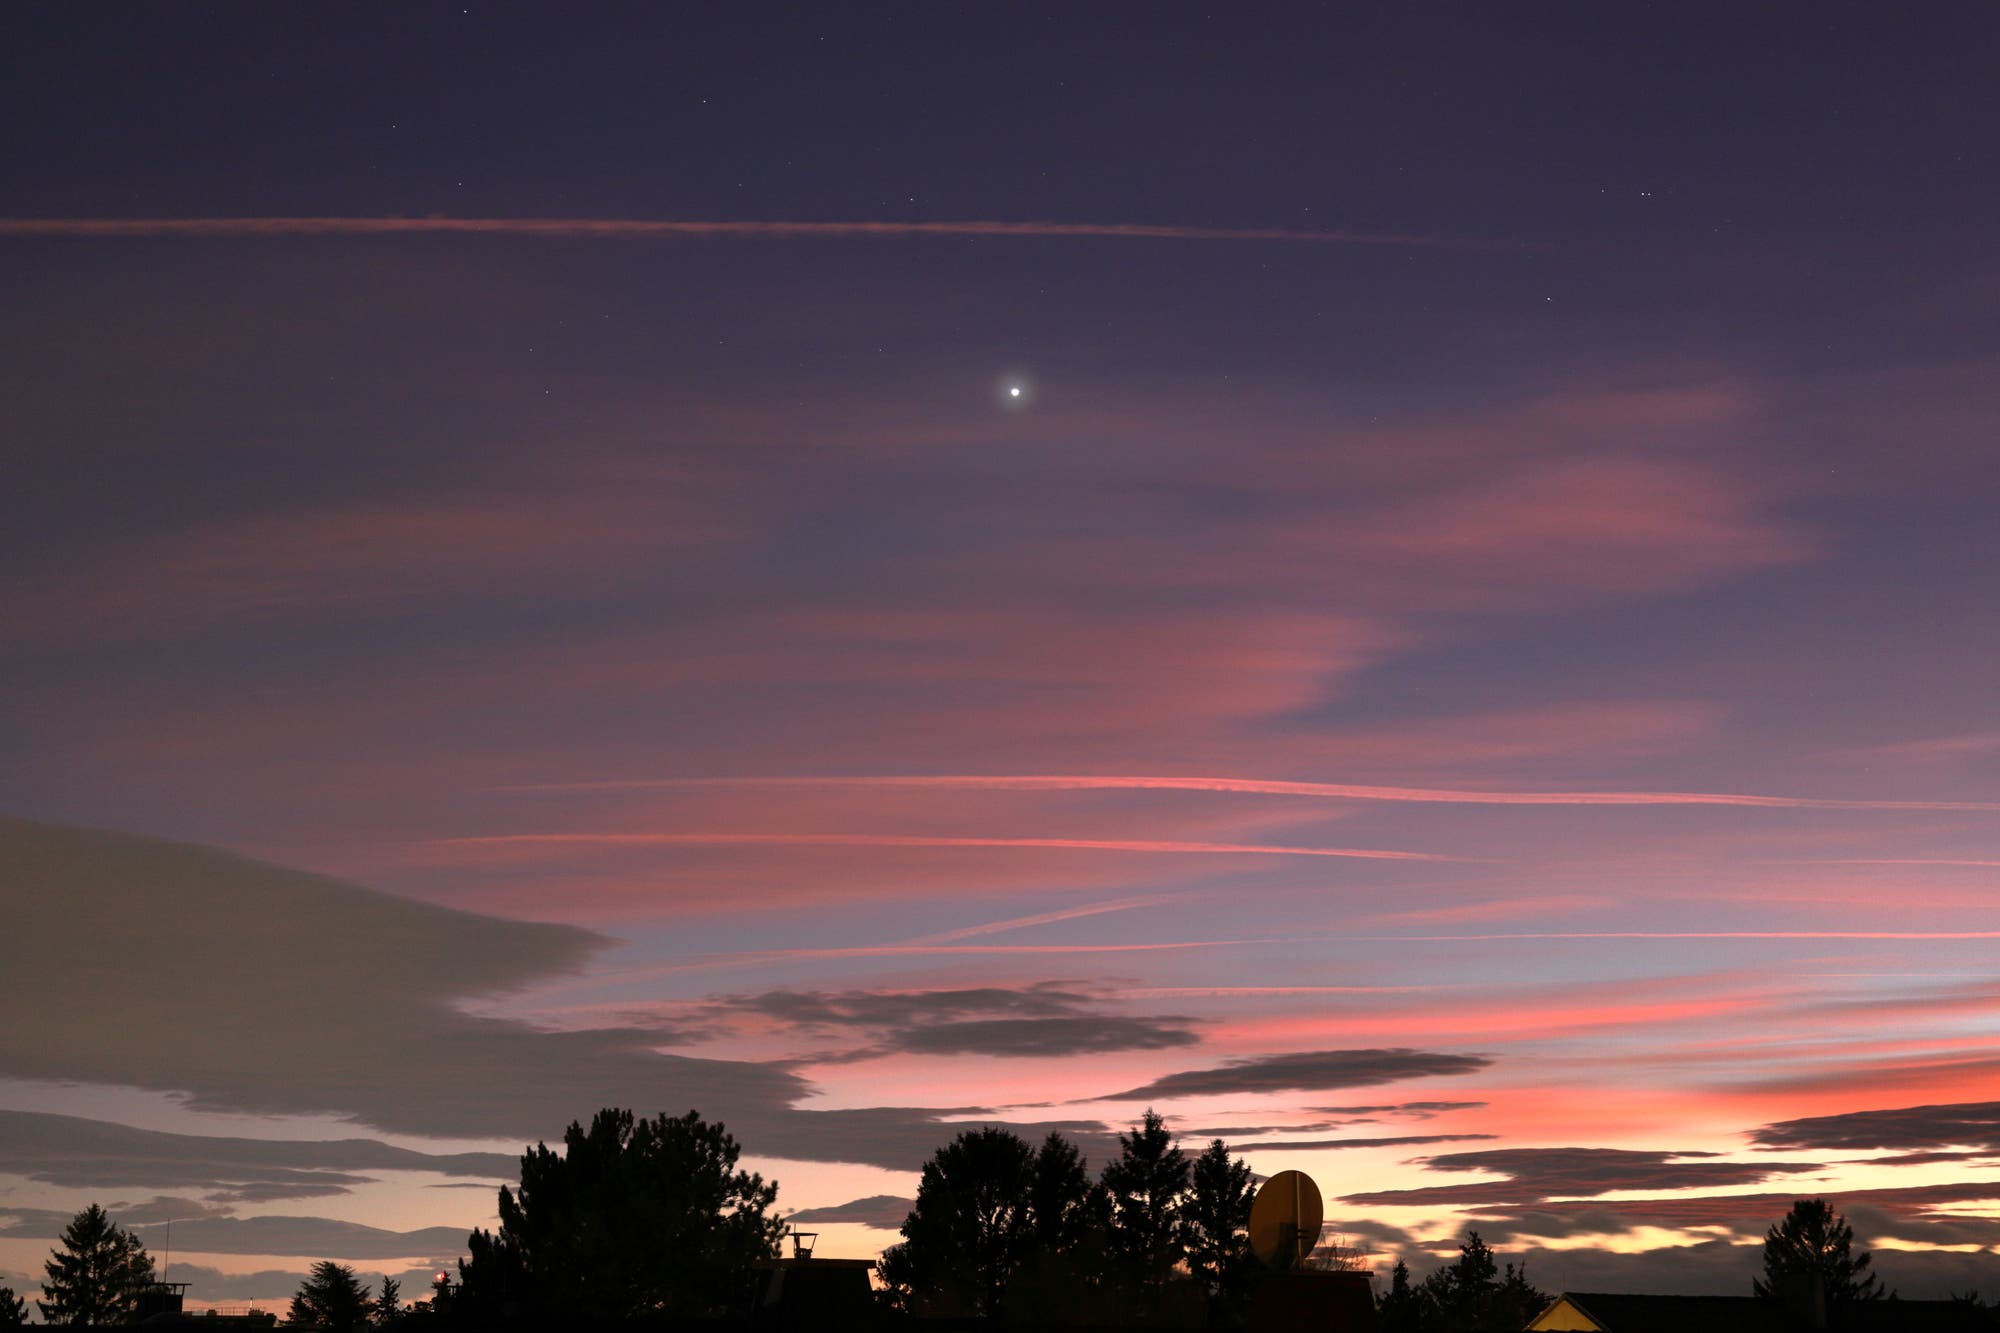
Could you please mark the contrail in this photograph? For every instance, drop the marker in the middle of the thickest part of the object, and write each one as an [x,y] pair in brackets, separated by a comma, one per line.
[1275,787]
[1887,861]
[628,229]
[1686,935]
[753,958]
[1040,919]
[916,840]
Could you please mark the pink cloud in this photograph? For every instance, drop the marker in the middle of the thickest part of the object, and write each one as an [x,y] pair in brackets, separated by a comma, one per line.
[1579,529]
[1492,910]
[1281,787]
[367,553]
[1044,919]
[1152,847]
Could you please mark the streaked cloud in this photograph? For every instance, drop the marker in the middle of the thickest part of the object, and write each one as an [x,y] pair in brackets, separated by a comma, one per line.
[314,1237]
[1279,787]
[1306,1071]
[1317,1145]
[1042,919]
[1960,1125]
[314,1041]
[883,1212]
[1155,847]
[71,1150]
[574,229]
[1534,1175]
[1049,1020]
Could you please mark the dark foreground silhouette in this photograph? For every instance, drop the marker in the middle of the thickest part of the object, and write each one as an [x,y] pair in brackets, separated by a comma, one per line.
[649,1225]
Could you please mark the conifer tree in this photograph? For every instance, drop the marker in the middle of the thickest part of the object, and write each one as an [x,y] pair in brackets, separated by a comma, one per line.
[389,1305]
[1402,1310]
[1060,1277]
[1146,1181]
[1065,1210]
[332,1298]
[97,1275]
[13,1310]
[1813,1245]
[1215,1220]
[1472,1293]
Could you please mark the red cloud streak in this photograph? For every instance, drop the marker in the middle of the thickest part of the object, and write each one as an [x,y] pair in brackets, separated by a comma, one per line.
[1276,787]
[913,840]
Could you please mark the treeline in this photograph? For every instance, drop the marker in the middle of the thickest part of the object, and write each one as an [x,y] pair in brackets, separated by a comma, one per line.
[649,1221]
[1002,1228]
[100,1274]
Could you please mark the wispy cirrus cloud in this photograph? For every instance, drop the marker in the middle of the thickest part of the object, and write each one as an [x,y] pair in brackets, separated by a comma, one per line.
[1149,846]
[578,229]
[1042,919]
[1272,787]
[363,554]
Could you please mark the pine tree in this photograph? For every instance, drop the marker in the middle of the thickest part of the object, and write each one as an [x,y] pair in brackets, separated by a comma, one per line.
[97,1275]
[13,1310]
[331,1297]
[1471,1293]
[1812,1246]
[1064,1209]
[1402,1310]
[1060,1277]
[1215,1221]
[1146,1181]
[389,1305]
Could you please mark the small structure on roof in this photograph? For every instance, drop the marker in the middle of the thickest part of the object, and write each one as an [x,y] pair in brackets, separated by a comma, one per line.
[802,1292]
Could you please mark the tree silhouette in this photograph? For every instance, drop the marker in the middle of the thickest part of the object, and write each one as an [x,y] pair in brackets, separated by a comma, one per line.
[1060,1279]
[1066,1212]
[1215,1221]
[1146,1181]
[1811,1248]
[1402,1310]
[389,1305]
[331,1297]
[13,1310]
[1472,1293]
[972,1224]
[97,1275]
[634,1219]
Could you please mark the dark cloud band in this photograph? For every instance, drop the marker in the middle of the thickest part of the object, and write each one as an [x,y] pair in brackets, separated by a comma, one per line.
[1307,1071]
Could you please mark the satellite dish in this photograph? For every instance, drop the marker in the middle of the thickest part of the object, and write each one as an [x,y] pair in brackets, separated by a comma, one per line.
[1285,1219]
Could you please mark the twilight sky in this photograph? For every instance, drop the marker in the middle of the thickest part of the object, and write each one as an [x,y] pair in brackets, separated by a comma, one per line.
[1466,668]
